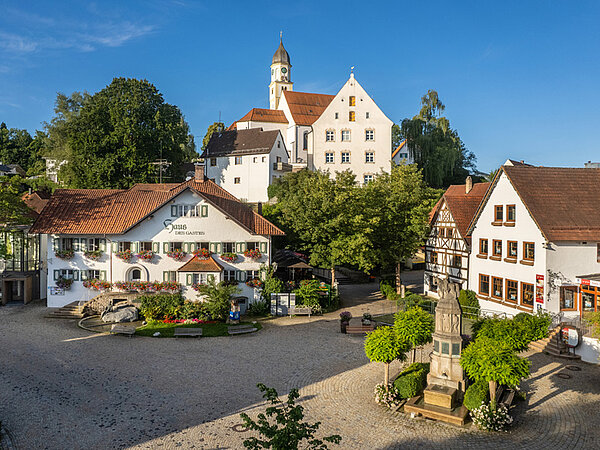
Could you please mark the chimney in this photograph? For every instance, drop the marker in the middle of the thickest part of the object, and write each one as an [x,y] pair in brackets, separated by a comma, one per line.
[468,184]
[199,173]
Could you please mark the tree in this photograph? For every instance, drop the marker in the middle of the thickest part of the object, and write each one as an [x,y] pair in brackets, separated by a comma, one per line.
[495,362]
[414,326]
[288,430]
[383,345]
[397,137]
[399,203]
[13,210]
[434,146]
[218,296]
[216,127]
[272,284]
[18,147]
[112,138]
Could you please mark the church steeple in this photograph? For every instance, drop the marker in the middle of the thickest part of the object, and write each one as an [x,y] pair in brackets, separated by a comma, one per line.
[281,75]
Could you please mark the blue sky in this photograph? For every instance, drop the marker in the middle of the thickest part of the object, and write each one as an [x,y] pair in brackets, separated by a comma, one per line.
[519,78]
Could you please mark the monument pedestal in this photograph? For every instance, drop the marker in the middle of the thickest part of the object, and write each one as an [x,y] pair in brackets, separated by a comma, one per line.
[442,396]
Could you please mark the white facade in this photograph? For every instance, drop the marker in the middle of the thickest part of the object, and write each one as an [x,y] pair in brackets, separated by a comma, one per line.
[161,231]
[352,133]
[297,137]
[248,176]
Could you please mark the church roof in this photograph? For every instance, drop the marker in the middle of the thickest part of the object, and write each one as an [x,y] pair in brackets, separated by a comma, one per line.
[240,142]
[306,107]
[281,55]
[264,115]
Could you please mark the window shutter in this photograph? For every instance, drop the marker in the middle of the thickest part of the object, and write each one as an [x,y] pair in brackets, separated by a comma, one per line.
[173,210]
[192,247]
[238,247]
[136,247]
[76,275]
[56,275]
[115,246]
[263,247]
[102,245]
[242,275]
[75,244]
[84,275]
[165,276]
[188,279]
[56,244]
[185,246]
[83,244]
[165,248]
[204,210]
[213,247]
[156,247]
[219,247]
[103,275]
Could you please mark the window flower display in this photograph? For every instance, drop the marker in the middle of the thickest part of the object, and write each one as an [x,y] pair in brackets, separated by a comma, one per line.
[98,285]
[64,254]
[94,255]
[197,286]
[255,283]
[176,254]
[124,255]
[202,253]
[253,254]
[229,257]
[64,283]
[146,255]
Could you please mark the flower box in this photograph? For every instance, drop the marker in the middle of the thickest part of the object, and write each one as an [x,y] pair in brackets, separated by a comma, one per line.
[98,285]
[197,286]
[64,283]
[94,255]
[64,254]
[177,255]
[146,255]
[171,286]
[124,255]
[253,254]
[124,285]
[229,257]
[255,283]
[202,253]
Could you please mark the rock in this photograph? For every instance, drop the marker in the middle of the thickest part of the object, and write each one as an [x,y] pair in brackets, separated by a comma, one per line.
[156,334]
[125,313]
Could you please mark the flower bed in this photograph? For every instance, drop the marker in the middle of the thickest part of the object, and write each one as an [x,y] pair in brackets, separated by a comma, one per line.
[64,283]
[146,255]
[202,253]
[124,255]
[98,285]
[229,257]
[177,254]
[486,417]
[64,254]
[94,255]
[253,254]
[255,283]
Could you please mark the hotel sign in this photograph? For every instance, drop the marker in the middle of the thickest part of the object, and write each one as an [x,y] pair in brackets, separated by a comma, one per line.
[181,229]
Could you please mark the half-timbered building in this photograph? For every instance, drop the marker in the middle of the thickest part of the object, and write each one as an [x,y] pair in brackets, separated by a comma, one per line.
[447,248]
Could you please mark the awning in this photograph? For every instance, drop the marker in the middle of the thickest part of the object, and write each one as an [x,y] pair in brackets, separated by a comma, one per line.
[589,280]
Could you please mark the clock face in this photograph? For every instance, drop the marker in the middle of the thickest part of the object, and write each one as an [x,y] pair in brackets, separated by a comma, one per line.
[283,70]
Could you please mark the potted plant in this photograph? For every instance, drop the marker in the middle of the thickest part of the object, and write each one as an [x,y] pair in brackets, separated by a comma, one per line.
[366,319]
[229,257]
[94,255]
[176,254]
[124,255]
[64,254]
[64,283]
[253,254]
[146,255]
[345,317]
[202,253]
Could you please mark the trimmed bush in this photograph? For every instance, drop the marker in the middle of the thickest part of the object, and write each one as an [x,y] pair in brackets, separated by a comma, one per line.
[160,306]
[476,394]
[412,380]
[470,304]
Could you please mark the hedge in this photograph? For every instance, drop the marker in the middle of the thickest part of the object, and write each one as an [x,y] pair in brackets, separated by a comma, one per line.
[477,393]
[412,380]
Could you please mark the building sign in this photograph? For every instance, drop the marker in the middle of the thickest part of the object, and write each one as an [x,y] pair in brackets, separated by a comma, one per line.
[181,229]
[539,288]
[54,290]
[570,336]
[585,282]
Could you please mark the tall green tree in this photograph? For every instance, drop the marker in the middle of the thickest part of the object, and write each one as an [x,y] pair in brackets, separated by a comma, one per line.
[434,146]
[112,138]
[13,210]
[414,326]
[385,346]
[216,127]
[18,147]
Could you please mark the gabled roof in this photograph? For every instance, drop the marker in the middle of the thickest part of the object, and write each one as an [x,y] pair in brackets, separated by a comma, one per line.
[264,115]
[241,142]
[36,201]
[306,107]
[462,206]
[115,211]
[201,265]
[400,147]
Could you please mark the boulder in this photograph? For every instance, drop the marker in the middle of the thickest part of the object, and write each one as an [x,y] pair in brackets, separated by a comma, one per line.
[123,313]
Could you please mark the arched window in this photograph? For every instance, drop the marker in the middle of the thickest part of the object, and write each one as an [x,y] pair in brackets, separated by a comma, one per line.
[136,274]
[305,143]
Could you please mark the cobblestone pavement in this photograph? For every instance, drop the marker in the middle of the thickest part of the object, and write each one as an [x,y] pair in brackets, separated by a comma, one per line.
[63,387]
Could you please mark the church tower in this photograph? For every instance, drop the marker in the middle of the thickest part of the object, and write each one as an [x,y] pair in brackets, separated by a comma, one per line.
[281,75]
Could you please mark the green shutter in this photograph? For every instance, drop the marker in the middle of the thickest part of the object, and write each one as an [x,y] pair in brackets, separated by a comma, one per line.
[102,245]
[56,275]
[219,247]
[75,244]
[76,275]
[103,275]
[56,244]
[115,246]
[84,275]
[156,247]
[83,244]
[165,276]
[213,247]
[263,247]
[238,247]
[165,248]
[204,211]
[173,210]
[241,275]
[188,279]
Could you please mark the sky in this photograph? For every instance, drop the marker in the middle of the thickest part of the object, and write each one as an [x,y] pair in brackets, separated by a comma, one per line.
[519,78]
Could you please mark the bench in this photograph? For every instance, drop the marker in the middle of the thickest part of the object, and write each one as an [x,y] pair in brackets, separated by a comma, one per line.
[122,329]
[187,332]
[359,329]
[297,311]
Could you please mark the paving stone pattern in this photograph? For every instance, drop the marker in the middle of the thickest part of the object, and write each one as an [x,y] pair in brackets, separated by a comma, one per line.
[63,387]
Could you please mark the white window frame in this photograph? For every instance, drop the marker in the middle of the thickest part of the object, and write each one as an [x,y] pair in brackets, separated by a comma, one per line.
[329,135]
[368,177]
[345,157]
[369,135]
[329,158]
[348,134]
[370,157]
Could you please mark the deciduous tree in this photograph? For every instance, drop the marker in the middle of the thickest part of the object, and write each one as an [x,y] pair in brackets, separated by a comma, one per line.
[216,127]
[414,326]
[385,346]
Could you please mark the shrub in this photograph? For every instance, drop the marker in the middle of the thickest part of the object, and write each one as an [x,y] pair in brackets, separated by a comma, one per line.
[486,417]
[308,293]
[160,306]
[387,395]
[272,284]
[345,316]
[192,310]
[536,325]
[412,380]
[260,308]
[218,298]
[469,303]
[477,393]
[388,291]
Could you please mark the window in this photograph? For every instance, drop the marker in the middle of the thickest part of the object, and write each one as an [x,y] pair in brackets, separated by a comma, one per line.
[255,159]
[367,178]
[205,245]
[528,251]
[568,294]
[497,248]
[345,157]
[456,261]
[252,246]
[175,246]
[252,274]
[93,274]
[433,287]
[370,158]
[329,158]
[369,135]
[498,213]
[189,210]
[433,257]
[484,284]
[497,287]
[264,158]
[146,246]
[236,180]
[445,348]
[483,247]
[510,213]
[229,275]
[345,135]
[93,244]
[213,161]
[305,141]
[455,349]
[278,144]
[169,275]
[66,244]
[124,246]
[352,100]
[136,275]
[337,115]
[67,274]
[329,136]
[403,155]
[527,295]
[367,115]
[588,299]
[512,291]
[238,160]
[199,278]
[228,247]
[352,116]
[512,250]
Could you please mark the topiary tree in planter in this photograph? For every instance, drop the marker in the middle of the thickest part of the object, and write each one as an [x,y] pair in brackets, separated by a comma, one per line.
[414,326]
[494,362]
[382,345]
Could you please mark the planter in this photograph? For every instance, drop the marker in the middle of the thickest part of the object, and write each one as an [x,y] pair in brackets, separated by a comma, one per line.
[146,255]
[124,255]
[253,254]
[229,257]
[343,326]
[177,255]
[94,255]
[64,254]
[202,253]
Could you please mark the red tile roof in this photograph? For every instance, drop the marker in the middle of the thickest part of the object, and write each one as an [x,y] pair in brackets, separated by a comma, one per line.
[36,201]
[115,211]
[201,265]
[563,201]
[306,107]
[463,206]
[264,115]
[400,147]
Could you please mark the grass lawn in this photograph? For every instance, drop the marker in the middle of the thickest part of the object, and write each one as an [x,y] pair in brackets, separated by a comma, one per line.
[208,329]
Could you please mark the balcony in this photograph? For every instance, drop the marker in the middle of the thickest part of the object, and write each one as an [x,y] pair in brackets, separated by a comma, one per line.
[282,167]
